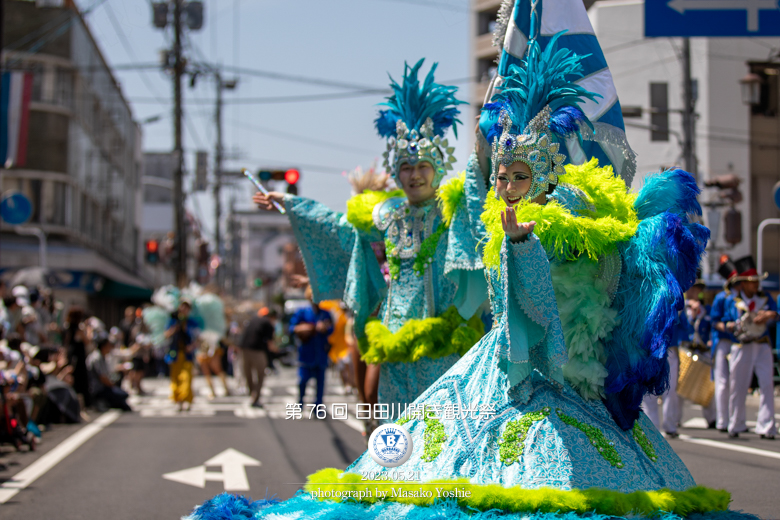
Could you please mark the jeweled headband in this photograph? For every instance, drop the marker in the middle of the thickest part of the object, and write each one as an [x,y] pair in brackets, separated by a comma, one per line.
[534,147]
[411,147]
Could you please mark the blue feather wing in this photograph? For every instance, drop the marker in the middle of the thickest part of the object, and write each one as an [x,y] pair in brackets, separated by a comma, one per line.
[659,265]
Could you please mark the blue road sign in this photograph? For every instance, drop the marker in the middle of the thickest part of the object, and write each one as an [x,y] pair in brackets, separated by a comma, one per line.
[15,208]
[712,18]
[776,194]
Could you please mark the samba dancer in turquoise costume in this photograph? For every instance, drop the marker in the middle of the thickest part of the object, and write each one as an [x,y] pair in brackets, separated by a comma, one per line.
[436,271]
[539,419]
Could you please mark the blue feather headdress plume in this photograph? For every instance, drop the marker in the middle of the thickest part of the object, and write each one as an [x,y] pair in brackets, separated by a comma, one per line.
[544,80]
[534,110]
[416,120]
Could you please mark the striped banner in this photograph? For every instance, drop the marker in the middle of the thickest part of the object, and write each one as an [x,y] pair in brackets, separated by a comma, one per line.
[609,143]
[15,94]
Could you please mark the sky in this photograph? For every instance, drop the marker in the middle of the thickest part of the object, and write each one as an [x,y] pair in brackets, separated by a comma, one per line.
[351,42]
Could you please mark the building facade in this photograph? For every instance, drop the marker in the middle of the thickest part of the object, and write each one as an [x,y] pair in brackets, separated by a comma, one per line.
[83,167]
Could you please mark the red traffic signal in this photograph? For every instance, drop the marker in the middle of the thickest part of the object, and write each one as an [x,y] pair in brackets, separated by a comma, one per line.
[292,176]
[152,251]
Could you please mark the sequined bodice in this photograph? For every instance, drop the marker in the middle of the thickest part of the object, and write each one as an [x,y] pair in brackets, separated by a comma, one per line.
[419,288]
[405,225]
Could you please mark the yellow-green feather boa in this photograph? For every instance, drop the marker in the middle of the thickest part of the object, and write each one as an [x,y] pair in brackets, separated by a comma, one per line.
[485,497]
[449,195]
[570,236]
[360,208]
[430,337]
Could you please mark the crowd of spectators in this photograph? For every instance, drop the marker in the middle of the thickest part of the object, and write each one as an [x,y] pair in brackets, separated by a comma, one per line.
[58,365]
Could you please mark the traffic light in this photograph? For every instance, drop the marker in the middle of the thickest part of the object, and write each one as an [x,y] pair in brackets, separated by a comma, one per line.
[152,251]
[291,177]
[733,226]
[729,194]
[729,188]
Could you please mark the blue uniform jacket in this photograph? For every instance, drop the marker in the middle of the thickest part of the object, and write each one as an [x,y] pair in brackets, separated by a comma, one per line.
[190,333]
[722,301]
[682,330]
[314,352]
[731,313]
[705,329]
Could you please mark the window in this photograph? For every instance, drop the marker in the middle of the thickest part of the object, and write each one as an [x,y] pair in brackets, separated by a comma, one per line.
[659,111]
[486,69]
[486,22]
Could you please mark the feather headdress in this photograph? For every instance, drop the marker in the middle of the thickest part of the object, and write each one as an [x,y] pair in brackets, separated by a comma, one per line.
[415,121]
[535,109]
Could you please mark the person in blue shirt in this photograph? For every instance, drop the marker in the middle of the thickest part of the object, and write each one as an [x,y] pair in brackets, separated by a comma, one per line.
[312,326]
[698,315]
[722,340]
[747,315]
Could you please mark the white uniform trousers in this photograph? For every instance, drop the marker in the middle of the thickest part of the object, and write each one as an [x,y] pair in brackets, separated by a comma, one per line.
[672,402]
[650,407]
[744,361]
[721,375]
[671,406]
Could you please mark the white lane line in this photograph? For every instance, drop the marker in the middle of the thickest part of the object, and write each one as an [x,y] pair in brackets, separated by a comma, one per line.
[38,468]
[355,424]
[732,447]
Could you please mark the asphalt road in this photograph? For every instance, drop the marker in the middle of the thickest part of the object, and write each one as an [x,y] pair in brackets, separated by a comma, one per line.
[118,469]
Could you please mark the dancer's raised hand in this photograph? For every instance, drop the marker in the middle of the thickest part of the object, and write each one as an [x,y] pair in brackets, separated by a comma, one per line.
[266,202]
[516,232]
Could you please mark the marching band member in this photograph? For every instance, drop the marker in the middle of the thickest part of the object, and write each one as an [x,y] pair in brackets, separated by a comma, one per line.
[747,315]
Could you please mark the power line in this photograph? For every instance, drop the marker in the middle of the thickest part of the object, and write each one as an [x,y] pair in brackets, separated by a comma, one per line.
[298,138]
[64,17]
[268,163]
[129,50]
[429,3]
[308,97]
[320,82]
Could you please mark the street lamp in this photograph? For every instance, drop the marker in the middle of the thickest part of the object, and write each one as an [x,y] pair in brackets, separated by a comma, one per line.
[751,89]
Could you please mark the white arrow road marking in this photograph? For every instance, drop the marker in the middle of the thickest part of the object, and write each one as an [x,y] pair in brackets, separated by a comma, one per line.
[192,477]
[233,475]
[28,475]
[751,6]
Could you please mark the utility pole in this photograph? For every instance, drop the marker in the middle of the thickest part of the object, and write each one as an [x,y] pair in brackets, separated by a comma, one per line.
[180,267]
[688,114]
[218,183]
